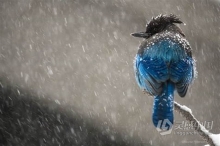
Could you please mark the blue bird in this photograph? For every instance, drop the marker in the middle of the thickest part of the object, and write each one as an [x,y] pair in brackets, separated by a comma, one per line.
[162,65]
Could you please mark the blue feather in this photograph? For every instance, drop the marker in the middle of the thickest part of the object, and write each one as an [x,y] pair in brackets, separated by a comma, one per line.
[160,69]
[163,106]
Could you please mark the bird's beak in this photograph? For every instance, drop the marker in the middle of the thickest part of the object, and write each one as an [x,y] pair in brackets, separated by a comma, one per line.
[141,34]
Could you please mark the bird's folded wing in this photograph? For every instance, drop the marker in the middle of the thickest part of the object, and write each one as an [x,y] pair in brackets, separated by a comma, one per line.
[181,73]
[151,73]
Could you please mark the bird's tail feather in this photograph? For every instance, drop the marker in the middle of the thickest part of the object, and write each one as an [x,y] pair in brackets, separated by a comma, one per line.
[163,107]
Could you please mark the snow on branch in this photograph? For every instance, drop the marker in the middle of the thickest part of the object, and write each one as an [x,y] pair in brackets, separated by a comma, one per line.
[211,139]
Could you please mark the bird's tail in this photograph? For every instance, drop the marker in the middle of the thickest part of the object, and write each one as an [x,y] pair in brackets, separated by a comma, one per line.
[163,107]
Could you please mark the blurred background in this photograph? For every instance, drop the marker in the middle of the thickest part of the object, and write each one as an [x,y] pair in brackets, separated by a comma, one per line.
[66,72]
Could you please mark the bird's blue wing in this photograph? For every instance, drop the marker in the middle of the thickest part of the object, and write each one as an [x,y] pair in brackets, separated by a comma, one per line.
[182,73]
[165,60]
[151,73]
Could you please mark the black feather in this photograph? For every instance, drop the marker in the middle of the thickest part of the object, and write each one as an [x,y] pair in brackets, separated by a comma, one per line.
[161,22]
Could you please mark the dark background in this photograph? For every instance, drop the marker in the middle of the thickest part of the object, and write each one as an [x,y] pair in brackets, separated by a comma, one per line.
[66,71]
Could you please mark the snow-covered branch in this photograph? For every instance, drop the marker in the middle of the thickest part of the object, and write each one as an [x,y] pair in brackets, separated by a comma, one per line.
[212,139]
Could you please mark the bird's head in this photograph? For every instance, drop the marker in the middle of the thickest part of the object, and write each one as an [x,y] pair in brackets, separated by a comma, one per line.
[159,24]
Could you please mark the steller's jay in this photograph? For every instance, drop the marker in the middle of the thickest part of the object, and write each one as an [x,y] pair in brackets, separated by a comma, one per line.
[163,64]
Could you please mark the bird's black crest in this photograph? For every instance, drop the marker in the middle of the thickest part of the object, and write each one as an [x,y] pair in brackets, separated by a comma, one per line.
[158,23]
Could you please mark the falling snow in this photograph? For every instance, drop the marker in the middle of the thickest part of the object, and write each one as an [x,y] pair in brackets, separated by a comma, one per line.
[66,75]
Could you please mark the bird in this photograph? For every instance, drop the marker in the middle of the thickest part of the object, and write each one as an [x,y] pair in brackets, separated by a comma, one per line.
[164,65]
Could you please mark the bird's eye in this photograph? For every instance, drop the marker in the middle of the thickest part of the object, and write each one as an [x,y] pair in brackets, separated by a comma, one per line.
[156,28]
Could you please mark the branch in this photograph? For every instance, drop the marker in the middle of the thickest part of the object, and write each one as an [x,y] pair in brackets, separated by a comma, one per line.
[211,139]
